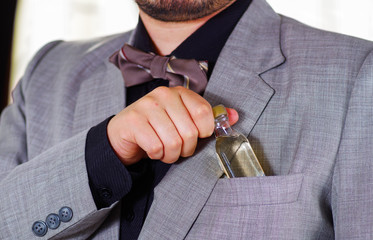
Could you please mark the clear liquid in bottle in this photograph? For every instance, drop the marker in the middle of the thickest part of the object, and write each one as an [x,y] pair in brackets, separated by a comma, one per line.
[235,154]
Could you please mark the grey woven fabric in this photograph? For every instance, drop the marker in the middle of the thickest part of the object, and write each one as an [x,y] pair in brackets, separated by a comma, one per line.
[305,99]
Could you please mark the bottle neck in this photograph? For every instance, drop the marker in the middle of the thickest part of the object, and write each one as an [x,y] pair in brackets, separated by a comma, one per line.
[222,126]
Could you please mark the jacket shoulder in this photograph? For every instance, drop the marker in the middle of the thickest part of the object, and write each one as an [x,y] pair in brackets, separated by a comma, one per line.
[291,28]
[305,45]
[63,57]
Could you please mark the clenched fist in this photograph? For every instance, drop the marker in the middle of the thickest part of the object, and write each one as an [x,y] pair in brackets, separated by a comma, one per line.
[164,124]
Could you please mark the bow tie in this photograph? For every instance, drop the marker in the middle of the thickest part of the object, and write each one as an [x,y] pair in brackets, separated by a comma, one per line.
[138,67]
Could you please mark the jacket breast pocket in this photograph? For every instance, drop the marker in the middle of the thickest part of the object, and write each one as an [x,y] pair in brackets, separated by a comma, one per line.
[266,190]
[252,208]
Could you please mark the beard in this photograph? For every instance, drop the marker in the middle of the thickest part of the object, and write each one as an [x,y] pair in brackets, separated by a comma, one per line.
[181,10]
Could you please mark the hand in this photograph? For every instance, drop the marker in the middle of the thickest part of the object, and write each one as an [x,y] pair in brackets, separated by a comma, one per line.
[164,124]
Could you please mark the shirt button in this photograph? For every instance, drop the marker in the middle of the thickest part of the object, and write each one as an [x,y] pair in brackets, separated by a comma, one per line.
[106,193]
[53,221]
[65,214]
[39,228]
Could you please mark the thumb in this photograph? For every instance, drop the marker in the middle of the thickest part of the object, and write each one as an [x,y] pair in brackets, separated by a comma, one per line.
[232,115]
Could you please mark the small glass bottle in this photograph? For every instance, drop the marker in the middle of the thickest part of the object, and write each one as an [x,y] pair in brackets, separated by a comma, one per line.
[235,155]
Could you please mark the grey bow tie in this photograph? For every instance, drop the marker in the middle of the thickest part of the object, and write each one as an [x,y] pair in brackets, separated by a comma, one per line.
[139,67]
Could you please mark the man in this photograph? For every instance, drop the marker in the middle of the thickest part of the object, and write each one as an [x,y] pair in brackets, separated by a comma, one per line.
[304,98]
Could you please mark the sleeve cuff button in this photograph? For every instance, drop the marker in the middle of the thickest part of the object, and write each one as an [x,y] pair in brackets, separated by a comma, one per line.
[39,228]
[65,214]
[53,221]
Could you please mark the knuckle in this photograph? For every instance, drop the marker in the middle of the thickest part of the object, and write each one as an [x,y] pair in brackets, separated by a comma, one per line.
[168,160]
[155,151]
[180,88]
[132,117]
[203,110]
[175,144]
[188,153]
[148,101]
[163,92]
[204,135]
[206,132]
[190,135]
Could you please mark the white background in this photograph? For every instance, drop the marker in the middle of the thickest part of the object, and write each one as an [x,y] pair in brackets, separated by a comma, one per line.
[41,21]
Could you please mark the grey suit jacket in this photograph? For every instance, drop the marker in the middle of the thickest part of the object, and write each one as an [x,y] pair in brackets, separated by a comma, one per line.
[305,99]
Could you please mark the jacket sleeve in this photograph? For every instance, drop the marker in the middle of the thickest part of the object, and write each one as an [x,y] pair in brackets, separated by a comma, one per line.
[352,188]
[32,189]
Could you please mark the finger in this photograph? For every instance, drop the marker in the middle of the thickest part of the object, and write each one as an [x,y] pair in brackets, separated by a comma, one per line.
[149,141]
[131,135]
[184,125]
[167,133]
[232,115]
[142,134]
[200,111]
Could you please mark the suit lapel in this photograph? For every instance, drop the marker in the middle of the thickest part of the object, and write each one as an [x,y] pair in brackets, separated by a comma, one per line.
[253,48]
[102,91]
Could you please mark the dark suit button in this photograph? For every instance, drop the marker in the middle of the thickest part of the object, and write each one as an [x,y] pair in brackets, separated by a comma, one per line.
[53,221]
[106,193]
[65,214]
[39,228]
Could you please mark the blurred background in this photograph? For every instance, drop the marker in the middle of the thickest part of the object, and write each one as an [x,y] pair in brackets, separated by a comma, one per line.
[32,23]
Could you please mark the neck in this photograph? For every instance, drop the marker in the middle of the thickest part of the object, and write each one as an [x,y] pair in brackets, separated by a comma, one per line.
[167,36]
